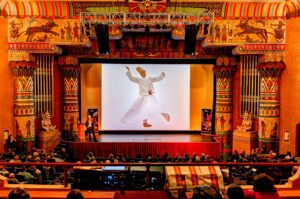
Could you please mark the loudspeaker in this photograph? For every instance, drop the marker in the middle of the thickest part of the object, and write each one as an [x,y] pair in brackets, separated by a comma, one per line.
[190,38]
[205,32]
[102,38]
[87,29]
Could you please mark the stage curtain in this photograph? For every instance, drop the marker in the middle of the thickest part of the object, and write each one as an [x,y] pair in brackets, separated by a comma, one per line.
[78,150]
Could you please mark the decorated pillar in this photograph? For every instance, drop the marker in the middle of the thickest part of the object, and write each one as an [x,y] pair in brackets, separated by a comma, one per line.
[224,71]
[70,74]
[24,112]
[269,104]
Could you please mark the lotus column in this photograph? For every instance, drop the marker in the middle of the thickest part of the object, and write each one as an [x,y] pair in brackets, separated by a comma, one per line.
[223,119]
[269,104]
[24,112]
[70,74]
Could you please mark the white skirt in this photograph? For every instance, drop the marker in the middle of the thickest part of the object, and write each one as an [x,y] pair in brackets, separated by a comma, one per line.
[145,107]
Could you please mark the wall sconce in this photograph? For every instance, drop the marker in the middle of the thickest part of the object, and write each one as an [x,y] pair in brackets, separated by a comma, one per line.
[286,136]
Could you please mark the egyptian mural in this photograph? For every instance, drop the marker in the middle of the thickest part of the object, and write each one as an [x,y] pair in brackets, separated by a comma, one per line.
[248,31]
[43,30]
[59,23]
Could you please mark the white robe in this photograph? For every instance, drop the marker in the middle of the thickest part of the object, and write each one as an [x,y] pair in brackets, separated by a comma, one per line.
[145,106]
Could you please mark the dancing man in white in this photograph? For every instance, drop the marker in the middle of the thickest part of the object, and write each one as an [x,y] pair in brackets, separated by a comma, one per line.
[146,105]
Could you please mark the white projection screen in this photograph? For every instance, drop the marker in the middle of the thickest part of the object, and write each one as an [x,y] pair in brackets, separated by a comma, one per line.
[126,104]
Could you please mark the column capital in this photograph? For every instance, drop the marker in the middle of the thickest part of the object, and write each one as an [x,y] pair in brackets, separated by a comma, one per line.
[222,71]
[23,67]
[270,68]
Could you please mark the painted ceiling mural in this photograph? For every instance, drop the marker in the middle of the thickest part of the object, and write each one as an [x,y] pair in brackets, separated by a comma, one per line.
[47,26]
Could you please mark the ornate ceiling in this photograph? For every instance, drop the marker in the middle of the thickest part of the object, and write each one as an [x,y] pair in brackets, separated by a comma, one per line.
[223,9]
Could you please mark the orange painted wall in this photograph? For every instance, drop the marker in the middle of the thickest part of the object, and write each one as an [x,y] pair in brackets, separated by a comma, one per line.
[90,89]
[290,87]
[6,82]
[201,93]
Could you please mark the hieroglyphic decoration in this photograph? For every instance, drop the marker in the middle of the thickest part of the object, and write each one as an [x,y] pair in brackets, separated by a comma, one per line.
[24,115]
[18,56]
[71,73]
[32,47]
[269,105]
[224,71]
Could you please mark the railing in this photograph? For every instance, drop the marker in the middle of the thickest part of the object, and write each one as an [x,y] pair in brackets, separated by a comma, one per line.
[67,166]
[146,18]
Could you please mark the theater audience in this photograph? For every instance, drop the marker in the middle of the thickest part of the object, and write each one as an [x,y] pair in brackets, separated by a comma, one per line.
[18,193]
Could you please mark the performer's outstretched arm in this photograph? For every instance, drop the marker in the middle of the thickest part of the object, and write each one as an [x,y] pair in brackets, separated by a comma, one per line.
[158,78]
[130,77]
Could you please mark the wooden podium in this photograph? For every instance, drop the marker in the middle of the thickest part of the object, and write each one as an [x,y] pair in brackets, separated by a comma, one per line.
[246,140]
[81,132]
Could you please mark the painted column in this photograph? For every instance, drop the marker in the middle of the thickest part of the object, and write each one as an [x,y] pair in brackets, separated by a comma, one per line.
[70,74]
[223,119]
[24,112]
[269,105]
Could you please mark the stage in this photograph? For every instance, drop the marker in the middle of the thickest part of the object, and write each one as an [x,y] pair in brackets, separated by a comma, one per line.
[132,144]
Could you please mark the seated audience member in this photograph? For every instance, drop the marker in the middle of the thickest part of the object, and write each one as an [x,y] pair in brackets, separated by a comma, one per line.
[264,188]
[3,171]
[28,178]
[75,194]
[206,192]
[11,143]
[18,193]
[90,157]
[234,192]
[64,155]
[12,179]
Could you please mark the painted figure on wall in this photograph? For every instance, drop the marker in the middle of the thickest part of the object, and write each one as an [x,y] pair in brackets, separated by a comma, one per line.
[222,121]
[14,30]
[224,33]
[28,129]
[262,129]
[217,33]
[62,34]
[44,28]
[249,29]
[18,130]
[76,32]
[274,131]
[68,31]
[278,31]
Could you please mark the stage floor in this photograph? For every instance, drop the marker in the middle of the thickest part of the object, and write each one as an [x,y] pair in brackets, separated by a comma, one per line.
[153,138]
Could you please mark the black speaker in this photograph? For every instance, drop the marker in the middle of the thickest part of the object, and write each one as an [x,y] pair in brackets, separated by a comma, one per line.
[102,38]
[190,38]
[205,32]
[87,29]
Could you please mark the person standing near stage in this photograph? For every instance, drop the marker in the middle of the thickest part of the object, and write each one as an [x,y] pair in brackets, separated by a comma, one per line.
[90,125]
